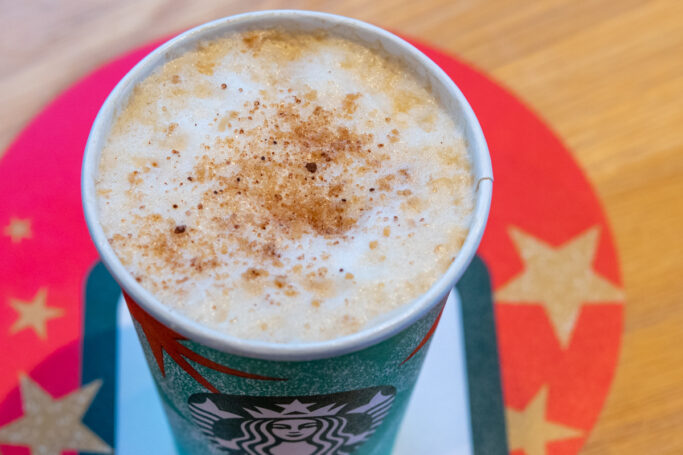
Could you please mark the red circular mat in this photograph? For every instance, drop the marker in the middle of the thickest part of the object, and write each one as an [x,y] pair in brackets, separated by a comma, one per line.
[548,250]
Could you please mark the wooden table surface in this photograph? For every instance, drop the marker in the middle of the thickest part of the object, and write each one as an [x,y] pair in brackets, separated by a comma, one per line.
[606,75]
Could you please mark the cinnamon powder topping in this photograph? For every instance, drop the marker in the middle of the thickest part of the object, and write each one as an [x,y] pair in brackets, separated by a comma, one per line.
[268,184]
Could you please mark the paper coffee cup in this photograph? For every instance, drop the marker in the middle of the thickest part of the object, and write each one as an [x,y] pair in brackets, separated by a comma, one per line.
[224,394]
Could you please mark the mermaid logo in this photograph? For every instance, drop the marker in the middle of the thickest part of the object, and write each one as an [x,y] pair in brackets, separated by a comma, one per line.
[305,425]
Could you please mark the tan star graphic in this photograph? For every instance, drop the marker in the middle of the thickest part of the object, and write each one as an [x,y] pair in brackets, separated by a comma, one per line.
[561,279]
[34,314]
[530,430]
[18,230]
[50,426]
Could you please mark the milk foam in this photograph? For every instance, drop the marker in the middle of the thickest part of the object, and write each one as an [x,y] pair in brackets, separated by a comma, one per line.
[285,187]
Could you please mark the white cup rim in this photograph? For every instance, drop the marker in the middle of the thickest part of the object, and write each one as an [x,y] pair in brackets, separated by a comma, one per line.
[221,341]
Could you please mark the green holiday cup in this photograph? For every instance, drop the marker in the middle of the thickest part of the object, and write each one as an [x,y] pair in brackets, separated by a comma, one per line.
[228,395]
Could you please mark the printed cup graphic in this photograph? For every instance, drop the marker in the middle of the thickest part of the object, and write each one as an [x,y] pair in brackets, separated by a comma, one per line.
[228,395]
[338,422]
[223,403]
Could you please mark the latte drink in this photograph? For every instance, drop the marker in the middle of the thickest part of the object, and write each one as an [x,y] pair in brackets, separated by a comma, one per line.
[285,186]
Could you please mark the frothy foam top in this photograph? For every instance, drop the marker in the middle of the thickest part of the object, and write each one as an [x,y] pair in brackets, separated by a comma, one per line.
[285,186]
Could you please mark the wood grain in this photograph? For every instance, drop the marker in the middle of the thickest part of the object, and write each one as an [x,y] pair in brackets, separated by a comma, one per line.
[606,75]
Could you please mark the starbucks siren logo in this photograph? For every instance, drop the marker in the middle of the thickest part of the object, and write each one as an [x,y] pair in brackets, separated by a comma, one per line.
[305,425]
